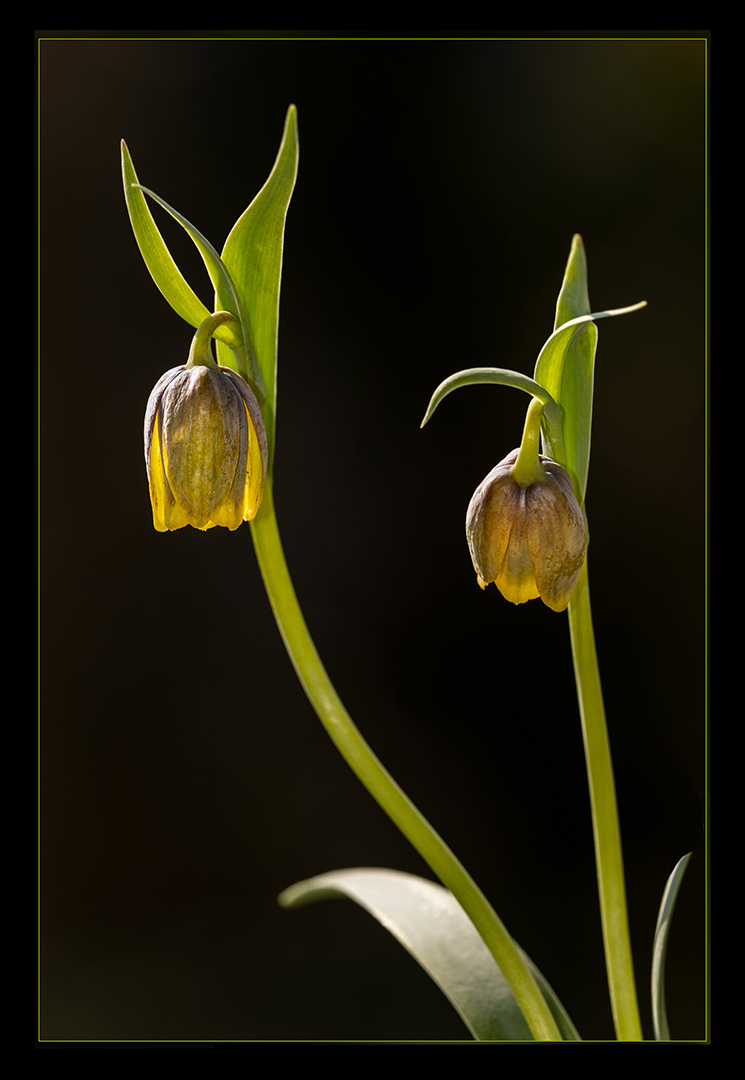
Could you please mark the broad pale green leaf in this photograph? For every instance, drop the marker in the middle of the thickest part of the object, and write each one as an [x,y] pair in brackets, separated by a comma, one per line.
[432,925]
[661,936]
[253,256]
[158,259]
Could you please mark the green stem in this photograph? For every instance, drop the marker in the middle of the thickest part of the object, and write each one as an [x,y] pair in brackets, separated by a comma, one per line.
[378,781]
[528,468]
[200,353]
[607,833]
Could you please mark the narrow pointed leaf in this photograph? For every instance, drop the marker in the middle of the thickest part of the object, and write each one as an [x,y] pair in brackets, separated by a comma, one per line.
[226,299]
[566,367]
[253,256]
[574,298]
[432,925]
[661,936]
[158,259]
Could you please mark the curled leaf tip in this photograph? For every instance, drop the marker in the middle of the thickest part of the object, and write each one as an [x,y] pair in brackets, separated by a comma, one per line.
[499,376]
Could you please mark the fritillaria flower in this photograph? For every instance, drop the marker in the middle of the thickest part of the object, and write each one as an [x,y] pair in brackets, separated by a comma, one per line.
[205,447]
[527,535]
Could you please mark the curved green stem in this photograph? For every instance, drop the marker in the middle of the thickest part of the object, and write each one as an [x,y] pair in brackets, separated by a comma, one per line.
[607,833]
[378,781]
[200,353]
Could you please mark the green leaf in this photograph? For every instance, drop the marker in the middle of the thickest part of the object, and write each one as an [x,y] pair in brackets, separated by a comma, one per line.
[496,376]
[158,259]
[432,925]
[253,256]
[661,936]
[564,374]
[574,299]
[246,278]
[565,367]
[226,299]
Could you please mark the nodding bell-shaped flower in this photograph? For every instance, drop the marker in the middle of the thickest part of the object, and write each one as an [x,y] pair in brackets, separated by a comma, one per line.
[205,445]
[525,529]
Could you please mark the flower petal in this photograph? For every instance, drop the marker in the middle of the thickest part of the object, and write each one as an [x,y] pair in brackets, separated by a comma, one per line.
[557,540]
[256,463]
[201,436]
[157,477]
[517,576]
[489,519]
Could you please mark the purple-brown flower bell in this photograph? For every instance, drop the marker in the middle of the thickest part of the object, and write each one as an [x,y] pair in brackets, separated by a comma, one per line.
[205,445]
[525,529]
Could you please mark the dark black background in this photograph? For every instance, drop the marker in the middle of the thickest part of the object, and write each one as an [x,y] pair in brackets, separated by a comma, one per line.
[185,779]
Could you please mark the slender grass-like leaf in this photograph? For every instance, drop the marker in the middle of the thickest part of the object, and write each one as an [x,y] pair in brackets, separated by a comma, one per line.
[253,256]
[659,951]
[432,925]
[158,259]
[226,294]
[496,376]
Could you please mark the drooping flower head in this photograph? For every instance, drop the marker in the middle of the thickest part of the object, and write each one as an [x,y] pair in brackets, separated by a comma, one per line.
[526,531]
[205,447]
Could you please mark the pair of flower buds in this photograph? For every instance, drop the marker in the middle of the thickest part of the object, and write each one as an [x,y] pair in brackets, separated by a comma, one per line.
[206,455]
